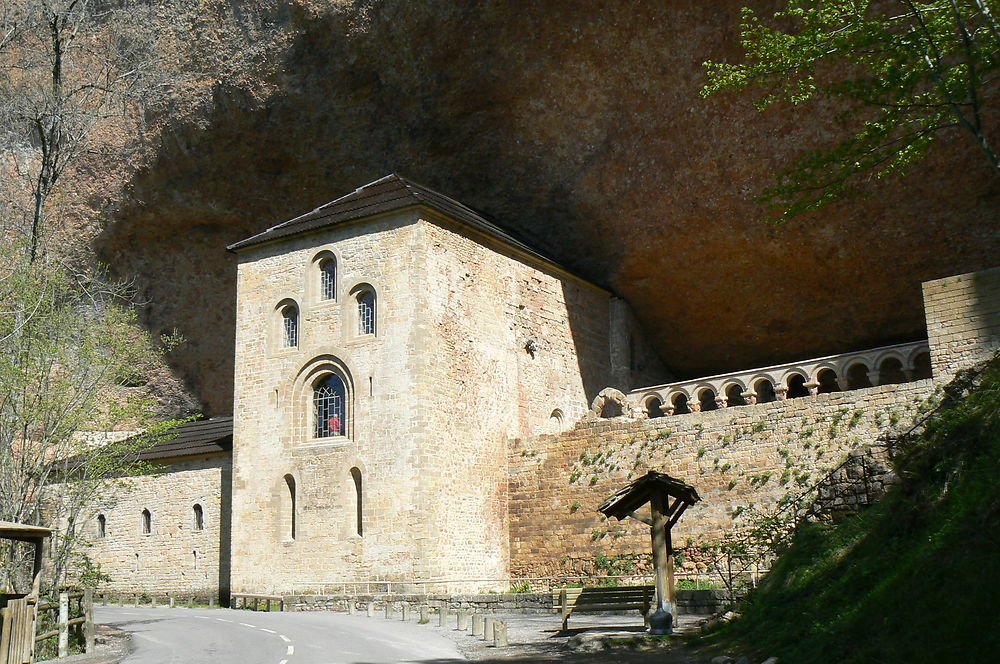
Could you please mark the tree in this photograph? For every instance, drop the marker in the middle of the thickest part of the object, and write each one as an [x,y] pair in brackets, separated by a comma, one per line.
[71,363]
[901,71]
[73,75]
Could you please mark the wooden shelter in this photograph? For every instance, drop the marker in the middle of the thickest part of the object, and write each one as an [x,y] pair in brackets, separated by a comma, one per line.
[668,498]
[19,611]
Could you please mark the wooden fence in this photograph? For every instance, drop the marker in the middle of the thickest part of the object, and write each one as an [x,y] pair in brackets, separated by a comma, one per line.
[73,613]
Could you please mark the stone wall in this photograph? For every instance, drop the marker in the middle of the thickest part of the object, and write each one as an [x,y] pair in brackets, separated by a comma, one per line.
[963,319]
[734,457]
[175,557]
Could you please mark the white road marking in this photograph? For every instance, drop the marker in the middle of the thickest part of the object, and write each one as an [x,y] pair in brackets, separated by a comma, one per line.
[285,638]
[269,631]
[284,661]
[291,650]
[224,620]
[249,625]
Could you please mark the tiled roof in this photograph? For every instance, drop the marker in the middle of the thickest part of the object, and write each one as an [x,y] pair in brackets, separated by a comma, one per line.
[194,438]
[387,194]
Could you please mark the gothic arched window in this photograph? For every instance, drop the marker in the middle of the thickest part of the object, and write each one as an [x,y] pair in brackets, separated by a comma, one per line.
[329,401]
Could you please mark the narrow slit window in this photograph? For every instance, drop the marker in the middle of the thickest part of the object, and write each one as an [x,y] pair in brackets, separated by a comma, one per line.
[359,498]
[290,326]
[147,522]
[328,279]
[102,526]
[199,517]
[366,312]
[291,524]
[329,400]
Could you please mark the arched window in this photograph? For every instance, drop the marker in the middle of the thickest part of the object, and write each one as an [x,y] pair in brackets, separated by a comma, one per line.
[827,379]
[289,326]
[707,400]
[366,312]
[329,401]
[611,408]
[857,377]
[797,386]
[147,522]
[680,404]
[359,502]
[102,526]
[764,390]
[290,515]
[891,371]
[199,517]
[654,408]
[328,279]
[734,396]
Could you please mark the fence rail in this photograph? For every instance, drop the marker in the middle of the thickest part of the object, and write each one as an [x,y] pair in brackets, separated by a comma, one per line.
[82,618]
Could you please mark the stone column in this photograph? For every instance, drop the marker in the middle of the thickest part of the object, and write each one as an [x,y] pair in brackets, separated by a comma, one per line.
[781,392]
[844,383]
[667,410]
[813,387]
[749,397]
[873,376]
[694,405]
[721,402]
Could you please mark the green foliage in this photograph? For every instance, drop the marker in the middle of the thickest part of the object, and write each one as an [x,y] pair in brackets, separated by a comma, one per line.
[575,506]
[912,579]
[521,587]
[900,71]
[619,565]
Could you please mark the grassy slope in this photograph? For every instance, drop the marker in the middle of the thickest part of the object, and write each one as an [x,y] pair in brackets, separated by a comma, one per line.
[915,578]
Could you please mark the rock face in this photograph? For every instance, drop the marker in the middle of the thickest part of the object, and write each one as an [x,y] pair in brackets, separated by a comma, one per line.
[580,129]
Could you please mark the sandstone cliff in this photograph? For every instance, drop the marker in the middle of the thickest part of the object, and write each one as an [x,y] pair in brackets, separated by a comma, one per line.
[577,125]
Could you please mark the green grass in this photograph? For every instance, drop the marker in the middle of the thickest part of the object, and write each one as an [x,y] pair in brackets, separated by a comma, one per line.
[914,579]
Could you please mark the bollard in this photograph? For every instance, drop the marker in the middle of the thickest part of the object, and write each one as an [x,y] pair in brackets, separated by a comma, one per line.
[488,628]
[135,600]
[406,611]
[350,607]
[461,620]
[477,624]
[443,615]
[152,601]
[388,610]
[425,614]
[171,601]
[121,600]
[500,634]
[370,610]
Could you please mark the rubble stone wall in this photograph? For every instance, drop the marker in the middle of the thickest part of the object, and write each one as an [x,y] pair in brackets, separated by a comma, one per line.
[963,319]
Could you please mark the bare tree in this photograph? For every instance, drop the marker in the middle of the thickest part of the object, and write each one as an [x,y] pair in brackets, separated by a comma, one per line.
[74,76]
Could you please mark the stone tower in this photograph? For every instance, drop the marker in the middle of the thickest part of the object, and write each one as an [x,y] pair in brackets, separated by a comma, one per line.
[389,344]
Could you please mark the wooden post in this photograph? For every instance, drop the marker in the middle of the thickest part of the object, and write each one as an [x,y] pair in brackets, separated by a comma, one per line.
[88,623]
[63,624]
[661,562]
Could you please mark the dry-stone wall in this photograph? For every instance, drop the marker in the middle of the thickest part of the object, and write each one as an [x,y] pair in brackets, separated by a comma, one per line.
[734,457]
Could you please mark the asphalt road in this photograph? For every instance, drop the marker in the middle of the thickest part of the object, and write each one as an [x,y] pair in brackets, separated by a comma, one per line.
[224,636]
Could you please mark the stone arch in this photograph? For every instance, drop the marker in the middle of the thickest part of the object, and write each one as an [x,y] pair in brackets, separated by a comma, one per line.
[304,385]
[890,369]
[556,420]
[795,382]
[609,403]
[733,392]
[763,389]
[921,363]
[653,406]
[707,398]
[679,402]
[323,276]
[287,324]
[827,379]
[857,376]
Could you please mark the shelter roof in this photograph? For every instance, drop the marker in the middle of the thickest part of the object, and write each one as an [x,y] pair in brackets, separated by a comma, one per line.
[22,531]
[636,494]
[390,193]
[210,436]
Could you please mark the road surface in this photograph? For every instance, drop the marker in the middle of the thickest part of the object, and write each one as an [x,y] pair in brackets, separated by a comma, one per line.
[224,636]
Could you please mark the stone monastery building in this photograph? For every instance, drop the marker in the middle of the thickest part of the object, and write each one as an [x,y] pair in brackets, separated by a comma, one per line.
[414,387]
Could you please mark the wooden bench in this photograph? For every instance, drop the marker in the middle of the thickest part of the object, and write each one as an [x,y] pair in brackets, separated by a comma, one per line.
[608,599]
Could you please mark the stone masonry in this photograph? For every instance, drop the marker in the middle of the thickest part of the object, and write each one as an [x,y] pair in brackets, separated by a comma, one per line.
[963,319]
[476,343]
